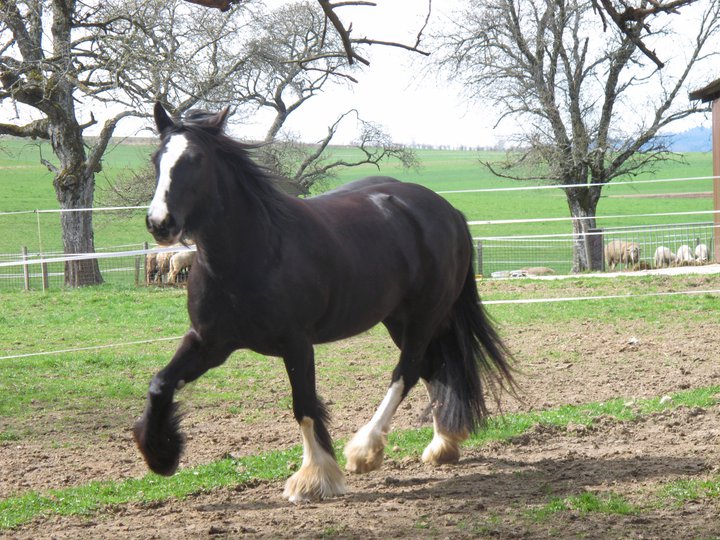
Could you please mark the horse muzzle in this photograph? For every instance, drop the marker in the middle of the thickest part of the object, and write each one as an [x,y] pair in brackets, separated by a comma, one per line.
[166,231]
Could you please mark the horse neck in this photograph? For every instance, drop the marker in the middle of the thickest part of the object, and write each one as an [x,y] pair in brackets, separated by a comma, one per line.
[242,228]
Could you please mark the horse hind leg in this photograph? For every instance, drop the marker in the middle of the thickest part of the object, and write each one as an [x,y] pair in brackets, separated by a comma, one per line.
[364,452]
[319,476]
[445,445]
[467,348]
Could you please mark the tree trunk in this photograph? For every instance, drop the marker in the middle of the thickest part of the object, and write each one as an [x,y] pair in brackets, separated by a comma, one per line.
[583,205]
[77,233]
[74,188]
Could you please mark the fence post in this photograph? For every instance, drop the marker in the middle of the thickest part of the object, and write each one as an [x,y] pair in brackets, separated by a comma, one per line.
[479,269]
[45,281]
[594,249]
[137,270]
[26,269]
[145,247]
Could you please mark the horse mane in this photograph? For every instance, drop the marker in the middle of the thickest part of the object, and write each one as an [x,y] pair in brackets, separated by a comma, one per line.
[255,181]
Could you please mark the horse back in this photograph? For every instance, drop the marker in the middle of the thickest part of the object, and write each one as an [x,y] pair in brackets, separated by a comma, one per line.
[389,246]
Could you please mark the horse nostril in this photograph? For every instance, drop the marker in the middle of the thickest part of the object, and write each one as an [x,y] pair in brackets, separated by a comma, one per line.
[158,227]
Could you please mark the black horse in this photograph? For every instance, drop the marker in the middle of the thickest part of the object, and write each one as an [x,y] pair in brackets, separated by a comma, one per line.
[277,274]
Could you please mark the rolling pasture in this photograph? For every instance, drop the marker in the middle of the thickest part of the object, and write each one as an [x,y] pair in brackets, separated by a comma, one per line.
[27,185]
[614,432]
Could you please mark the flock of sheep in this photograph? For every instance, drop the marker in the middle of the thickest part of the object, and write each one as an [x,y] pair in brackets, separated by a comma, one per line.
[168,267]
[628,254]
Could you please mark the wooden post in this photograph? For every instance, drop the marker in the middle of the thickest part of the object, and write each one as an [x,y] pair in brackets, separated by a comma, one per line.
[45,281]
[26,269]
[479,261]
[716,174]
[145,247]
[711,94]
[594,250]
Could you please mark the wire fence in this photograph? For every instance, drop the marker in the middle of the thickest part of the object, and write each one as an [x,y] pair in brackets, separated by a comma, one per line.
[133,264]
[553,254]
[31,253]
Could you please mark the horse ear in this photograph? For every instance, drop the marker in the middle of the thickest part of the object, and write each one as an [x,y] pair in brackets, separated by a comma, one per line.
[162,119]
[221,118]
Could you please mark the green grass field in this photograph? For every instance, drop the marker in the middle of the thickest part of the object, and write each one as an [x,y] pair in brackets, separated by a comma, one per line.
[55,395]
[27,185]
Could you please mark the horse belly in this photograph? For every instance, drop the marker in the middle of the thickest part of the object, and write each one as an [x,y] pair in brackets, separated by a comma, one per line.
[354,315]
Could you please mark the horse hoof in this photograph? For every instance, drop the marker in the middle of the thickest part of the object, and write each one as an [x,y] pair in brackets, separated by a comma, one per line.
[441,451]
[160,449]
[364,453]
[314,483]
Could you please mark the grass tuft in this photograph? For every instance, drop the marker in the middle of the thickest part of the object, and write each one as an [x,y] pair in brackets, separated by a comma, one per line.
[585,503]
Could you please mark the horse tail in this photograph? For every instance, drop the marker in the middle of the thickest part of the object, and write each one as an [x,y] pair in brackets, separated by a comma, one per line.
[466,354]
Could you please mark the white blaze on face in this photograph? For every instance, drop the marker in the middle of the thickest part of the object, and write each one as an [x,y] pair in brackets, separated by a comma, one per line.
[174,149]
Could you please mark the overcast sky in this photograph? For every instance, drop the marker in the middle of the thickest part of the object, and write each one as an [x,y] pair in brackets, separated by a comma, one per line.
[400,92]
[414,104]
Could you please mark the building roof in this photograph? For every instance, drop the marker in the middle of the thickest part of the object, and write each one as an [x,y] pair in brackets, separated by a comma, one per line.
[711,92]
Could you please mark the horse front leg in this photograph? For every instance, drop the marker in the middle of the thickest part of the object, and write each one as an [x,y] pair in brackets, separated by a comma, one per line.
[319,476]
[157,432]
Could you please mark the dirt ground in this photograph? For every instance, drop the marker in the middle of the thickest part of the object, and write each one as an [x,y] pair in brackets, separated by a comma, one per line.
[490,494]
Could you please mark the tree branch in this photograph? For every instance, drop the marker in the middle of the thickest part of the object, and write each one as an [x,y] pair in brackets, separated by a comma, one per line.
[631,20]
[222,5]
[95,157]
[343,32]
[37,129]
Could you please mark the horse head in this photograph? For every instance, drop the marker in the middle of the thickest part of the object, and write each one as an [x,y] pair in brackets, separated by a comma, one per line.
[182,171]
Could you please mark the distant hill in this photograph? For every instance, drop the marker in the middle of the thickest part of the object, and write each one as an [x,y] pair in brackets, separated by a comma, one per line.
[697,139]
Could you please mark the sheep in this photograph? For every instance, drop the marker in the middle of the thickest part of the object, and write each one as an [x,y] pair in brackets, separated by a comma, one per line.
[538,271]
[151,267]
[663,257]
[163,265]
[684,256]
[701,253]
[179,262]
[619,251]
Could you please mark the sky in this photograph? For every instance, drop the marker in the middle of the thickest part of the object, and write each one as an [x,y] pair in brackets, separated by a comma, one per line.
[416,105]
[399,90]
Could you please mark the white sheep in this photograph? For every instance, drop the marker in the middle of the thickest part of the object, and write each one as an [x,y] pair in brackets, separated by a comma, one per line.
[663,257]
[619,251]
[163,265]
[179,262]
[701,253]
[151,267]
[684,256]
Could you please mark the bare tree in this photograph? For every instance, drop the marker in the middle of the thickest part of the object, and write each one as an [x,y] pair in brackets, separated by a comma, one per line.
[543,63]
[159,50]
[342,31]
[291,60]
[56,54]
[272,60]
[43,67]
[307,165]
